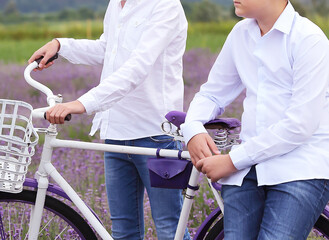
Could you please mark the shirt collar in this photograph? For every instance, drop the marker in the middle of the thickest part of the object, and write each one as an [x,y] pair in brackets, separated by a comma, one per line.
[286,19]
[282,24]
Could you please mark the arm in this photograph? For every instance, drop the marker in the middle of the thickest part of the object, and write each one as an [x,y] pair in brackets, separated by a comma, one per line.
[222,87]
[83,51]
[161,29]
[90,52]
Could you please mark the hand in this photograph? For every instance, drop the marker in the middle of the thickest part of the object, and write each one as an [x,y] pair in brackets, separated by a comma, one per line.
[216,167]
[47,51]
[57,114]
[201,146]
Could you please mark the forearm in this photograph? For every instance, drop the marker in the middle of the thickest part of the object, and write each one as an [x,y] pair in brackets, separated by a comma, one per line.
[82,51]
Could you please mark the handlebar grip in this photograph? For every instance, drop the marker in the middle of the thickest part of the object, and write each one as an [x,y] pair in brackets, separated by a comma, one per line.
[50,59]
[67,118]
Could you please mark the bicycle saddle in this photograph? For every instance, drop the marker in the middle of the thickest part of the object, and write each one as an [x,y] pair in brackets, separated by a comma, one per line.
[177,118]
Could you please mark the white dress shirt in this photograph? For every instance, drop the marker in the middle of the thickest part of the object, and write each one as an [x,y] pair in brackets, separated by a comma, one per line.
[141,51]
[285,122]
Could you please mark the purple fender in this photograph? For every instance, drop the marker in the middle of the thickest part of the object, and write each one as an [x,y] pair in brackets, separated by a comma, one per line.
[29,182]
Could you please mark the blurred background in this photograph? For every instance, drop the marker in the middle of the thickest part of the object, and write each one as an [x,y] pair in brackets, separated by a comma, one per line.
[26,25]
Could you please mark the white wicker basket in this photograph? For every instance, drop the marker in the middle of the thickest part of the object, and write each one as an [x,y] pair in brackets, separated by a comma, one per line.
[17,141]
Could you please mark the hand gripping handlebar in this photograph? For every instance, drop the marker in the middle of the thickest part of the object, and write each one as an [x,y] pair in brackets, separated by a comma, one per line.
[51,98]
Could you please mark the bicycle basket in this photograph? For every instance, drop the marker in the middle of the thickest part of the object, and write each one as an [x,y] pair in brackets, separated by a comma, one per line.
[17,141]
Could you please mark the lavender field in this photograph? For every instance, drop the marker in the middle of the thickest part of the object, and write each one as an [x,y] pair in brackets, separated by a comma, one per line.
[72,81]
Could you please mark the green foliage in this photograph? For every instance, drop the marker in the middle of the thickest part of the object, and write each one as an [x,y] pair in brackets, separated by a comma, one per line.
[10,9]
[19,41]
[206,11]
[321,7]
[302,10]
[41,6]
[11,15]
[44,30]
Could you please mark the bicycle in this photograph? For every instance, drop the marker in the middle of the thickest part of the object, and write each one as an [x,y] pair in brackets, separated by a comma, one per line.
[18,138]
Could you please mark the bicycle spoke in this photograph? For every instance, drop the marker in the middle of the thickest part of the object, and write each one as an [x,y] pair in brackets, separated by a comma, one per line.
[59,235]
[16,219]
[48,223]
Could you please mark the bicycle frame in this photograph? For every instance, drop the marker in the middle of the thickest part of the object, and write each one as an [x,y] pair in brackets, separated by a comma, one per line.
[46,170]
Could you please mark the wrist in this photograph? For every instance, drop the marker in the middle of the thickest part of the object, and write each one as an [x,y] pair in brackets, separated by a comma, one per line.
[56,43]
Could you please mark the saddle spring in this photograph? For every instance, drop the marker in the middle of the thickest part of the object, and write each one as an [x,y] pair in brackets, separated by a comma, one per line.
[225,139]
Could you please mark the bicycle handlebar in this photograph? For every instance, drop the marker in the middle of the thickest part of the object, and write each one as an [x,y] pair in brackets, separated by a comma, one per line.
[51,98]
[49,60]
[27,75]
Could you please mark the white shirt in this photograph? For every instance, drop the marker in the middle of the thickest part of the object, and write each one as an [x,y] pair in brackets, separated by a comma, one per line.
[141,51]
[285,123]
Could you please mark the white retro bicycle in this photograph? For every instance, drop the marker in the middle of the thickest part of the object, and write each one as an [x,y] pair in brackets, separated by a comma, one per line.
[34,208]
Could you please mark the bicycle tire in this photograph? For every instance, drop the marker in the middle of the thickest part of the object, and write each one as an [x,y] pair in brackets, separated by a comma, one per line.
[65,214]
[217,231]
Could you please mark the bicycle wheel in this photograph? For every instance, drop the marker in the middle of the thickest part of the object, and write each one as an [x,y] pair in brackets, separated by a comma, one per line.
[320,230]
[59,221]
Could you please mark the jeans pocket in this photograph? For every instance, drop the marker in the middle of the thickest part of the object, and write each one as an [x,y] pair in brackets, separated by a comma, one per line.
[162,139]
[167,142]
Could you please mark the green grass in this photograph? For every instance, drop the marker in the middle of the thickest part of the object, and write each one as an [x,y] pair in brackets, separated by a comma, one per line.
[212,41]
[12,51]
[19,51]
[19,41]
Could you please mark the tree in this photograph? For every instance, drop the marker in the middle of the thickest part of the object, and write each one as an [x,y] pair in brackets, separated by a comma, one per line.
[11,8]
[68,14]
[321,7]
[188,6]
[299,8]
[86,13]
[206,11]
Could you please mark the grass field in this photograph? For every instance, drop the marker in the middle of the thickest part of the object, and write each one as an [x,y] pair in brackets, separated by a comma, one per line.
[19,51]
[18,42]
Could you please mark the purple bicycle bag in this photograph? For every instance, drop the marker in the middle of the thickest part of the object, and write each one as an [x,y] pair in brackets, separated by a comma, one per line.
[172,173]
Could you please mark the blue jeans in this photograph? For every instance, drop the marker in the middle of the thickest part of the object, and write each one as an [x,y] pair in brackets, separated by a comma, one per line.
[126,177]
[284,211]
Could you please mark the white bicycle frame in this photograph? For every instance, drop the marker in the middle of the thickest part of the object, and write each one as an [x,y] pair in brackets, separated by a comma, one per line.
[46,170]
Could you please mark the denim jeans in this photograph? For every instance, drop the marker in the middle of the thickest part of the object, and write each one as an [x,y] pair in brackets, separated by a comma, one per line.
[284,211]
[127,177]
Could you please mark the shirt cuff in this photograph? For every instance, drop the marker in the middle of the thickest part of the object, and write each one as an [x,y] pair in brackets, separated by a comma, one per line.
[240,158]
[191,129]
[89,102]
[64,45]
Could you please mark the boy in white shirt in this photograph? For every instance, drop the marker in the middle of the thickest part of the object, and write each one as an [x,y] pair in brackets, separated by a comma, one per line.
[275,183]
[141,52]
